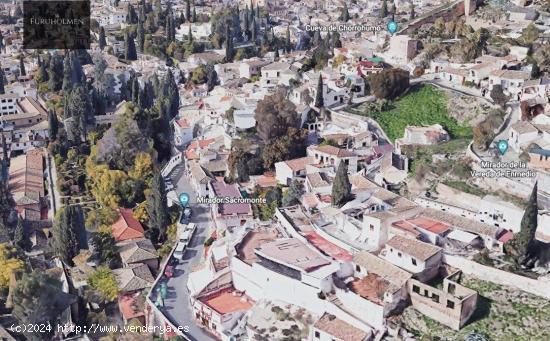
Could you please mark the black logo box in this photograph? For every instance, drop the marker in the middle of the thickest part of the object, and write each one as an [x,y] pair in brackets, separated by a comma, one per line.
[56,24]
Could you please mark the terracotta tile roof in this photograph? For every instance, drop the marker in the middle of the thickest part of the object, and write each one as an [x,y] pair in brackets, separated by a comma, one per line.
[327,247]
[221,189]
[371,287]
[127,227]
[300,163]
[228,301]
[427,224]
[127,306]
[26,180]
[135,277]
[340,329]
[135,251]
[461,223]
[413,247]
[374,264]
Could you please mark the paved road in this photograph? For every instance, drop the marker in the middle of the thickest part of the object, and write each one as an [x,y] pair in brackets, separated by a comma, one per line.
[177,307]
[55,197]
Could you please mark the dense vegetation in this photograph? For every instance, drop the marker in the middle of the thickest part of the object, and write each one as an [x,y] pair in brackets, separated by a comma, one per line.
[422,106]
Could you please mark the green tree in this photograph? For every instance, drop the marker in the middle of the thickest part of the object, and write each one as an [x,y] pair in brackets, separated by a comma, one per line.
[384,9]
[104,282]
[229,51]
[344,16]
[55,73]
[129,47]
[341,187]
[2,90]
[389,83]
[319,100]
[105,246]
[522,245]
[498,96]
[66,231]
[9,264]
[294,193]
[140,36]
[288,43]
[157,208]
[22,70]
[102,41]
[188,10]
[274,115]
[19,236]
[39,299]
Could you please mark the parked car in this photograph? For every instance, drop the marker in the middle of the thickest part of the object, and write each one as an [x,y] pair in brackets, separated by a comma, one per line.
[180,251]
[187,234]
[169,271]
[185,215]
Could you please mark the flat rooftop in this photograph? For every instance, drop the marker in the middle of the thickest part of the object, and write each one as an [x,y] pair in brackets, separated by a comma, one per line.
[252,240]
[292,253]
[327,247]
[427,224]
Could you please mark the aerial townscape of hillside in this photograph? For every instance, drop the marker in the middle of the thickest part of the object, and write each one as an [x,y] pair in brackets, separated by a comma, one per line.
[241,170]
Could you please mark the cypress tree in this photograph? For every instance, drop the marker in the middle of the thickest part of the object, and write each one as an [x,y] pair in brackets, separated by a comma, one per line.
[246,24]
[190,35]
[64,235]
[229,53]
[157,207]
[522,246]
[19,237]
[22,71]
[413,13]
[258,11]
[188,10]
[140,36]
[67,73]
[345,13]
[2,90]
[319,100]
[53,124]
[253,29]
[102,40]
[194,14]
[384,9]
[129,47]
[341,187]
[288,44]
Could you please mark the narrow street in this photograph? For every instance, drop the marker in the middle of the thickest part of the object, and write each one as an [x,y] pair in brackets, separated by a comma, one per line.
[177,308]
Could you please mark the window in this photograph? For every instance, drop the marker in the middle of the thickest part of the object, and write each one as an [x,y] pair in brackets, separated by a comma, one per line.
[371,227]
[399,254]
[358,268]
[450,304]
[416,289]
[413,261]
[317,335]
[435,298]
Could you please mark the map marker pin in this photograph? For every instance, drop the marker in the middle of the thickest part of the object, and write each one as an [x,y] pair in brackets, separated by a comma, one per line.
[502,146]
[184,199]
[392,27]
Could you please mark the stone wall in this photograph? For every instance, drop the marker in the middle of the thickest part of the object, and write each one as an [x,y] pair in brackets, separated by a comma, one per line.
[539,287]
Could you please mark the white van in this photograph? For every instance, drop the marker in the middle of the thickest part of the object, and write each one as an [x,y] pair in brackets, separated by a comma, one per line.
[179,251]
[187,233]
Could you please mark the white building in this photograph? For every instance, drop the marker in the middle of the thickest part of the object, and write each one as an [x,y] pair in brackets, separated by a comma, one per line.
[332,156]
[416,257]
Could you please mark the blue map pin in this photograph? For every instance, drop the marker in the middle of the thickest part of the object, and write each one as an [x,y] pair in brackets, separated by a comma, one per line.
[502,146]
[392,27]
[184,199]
